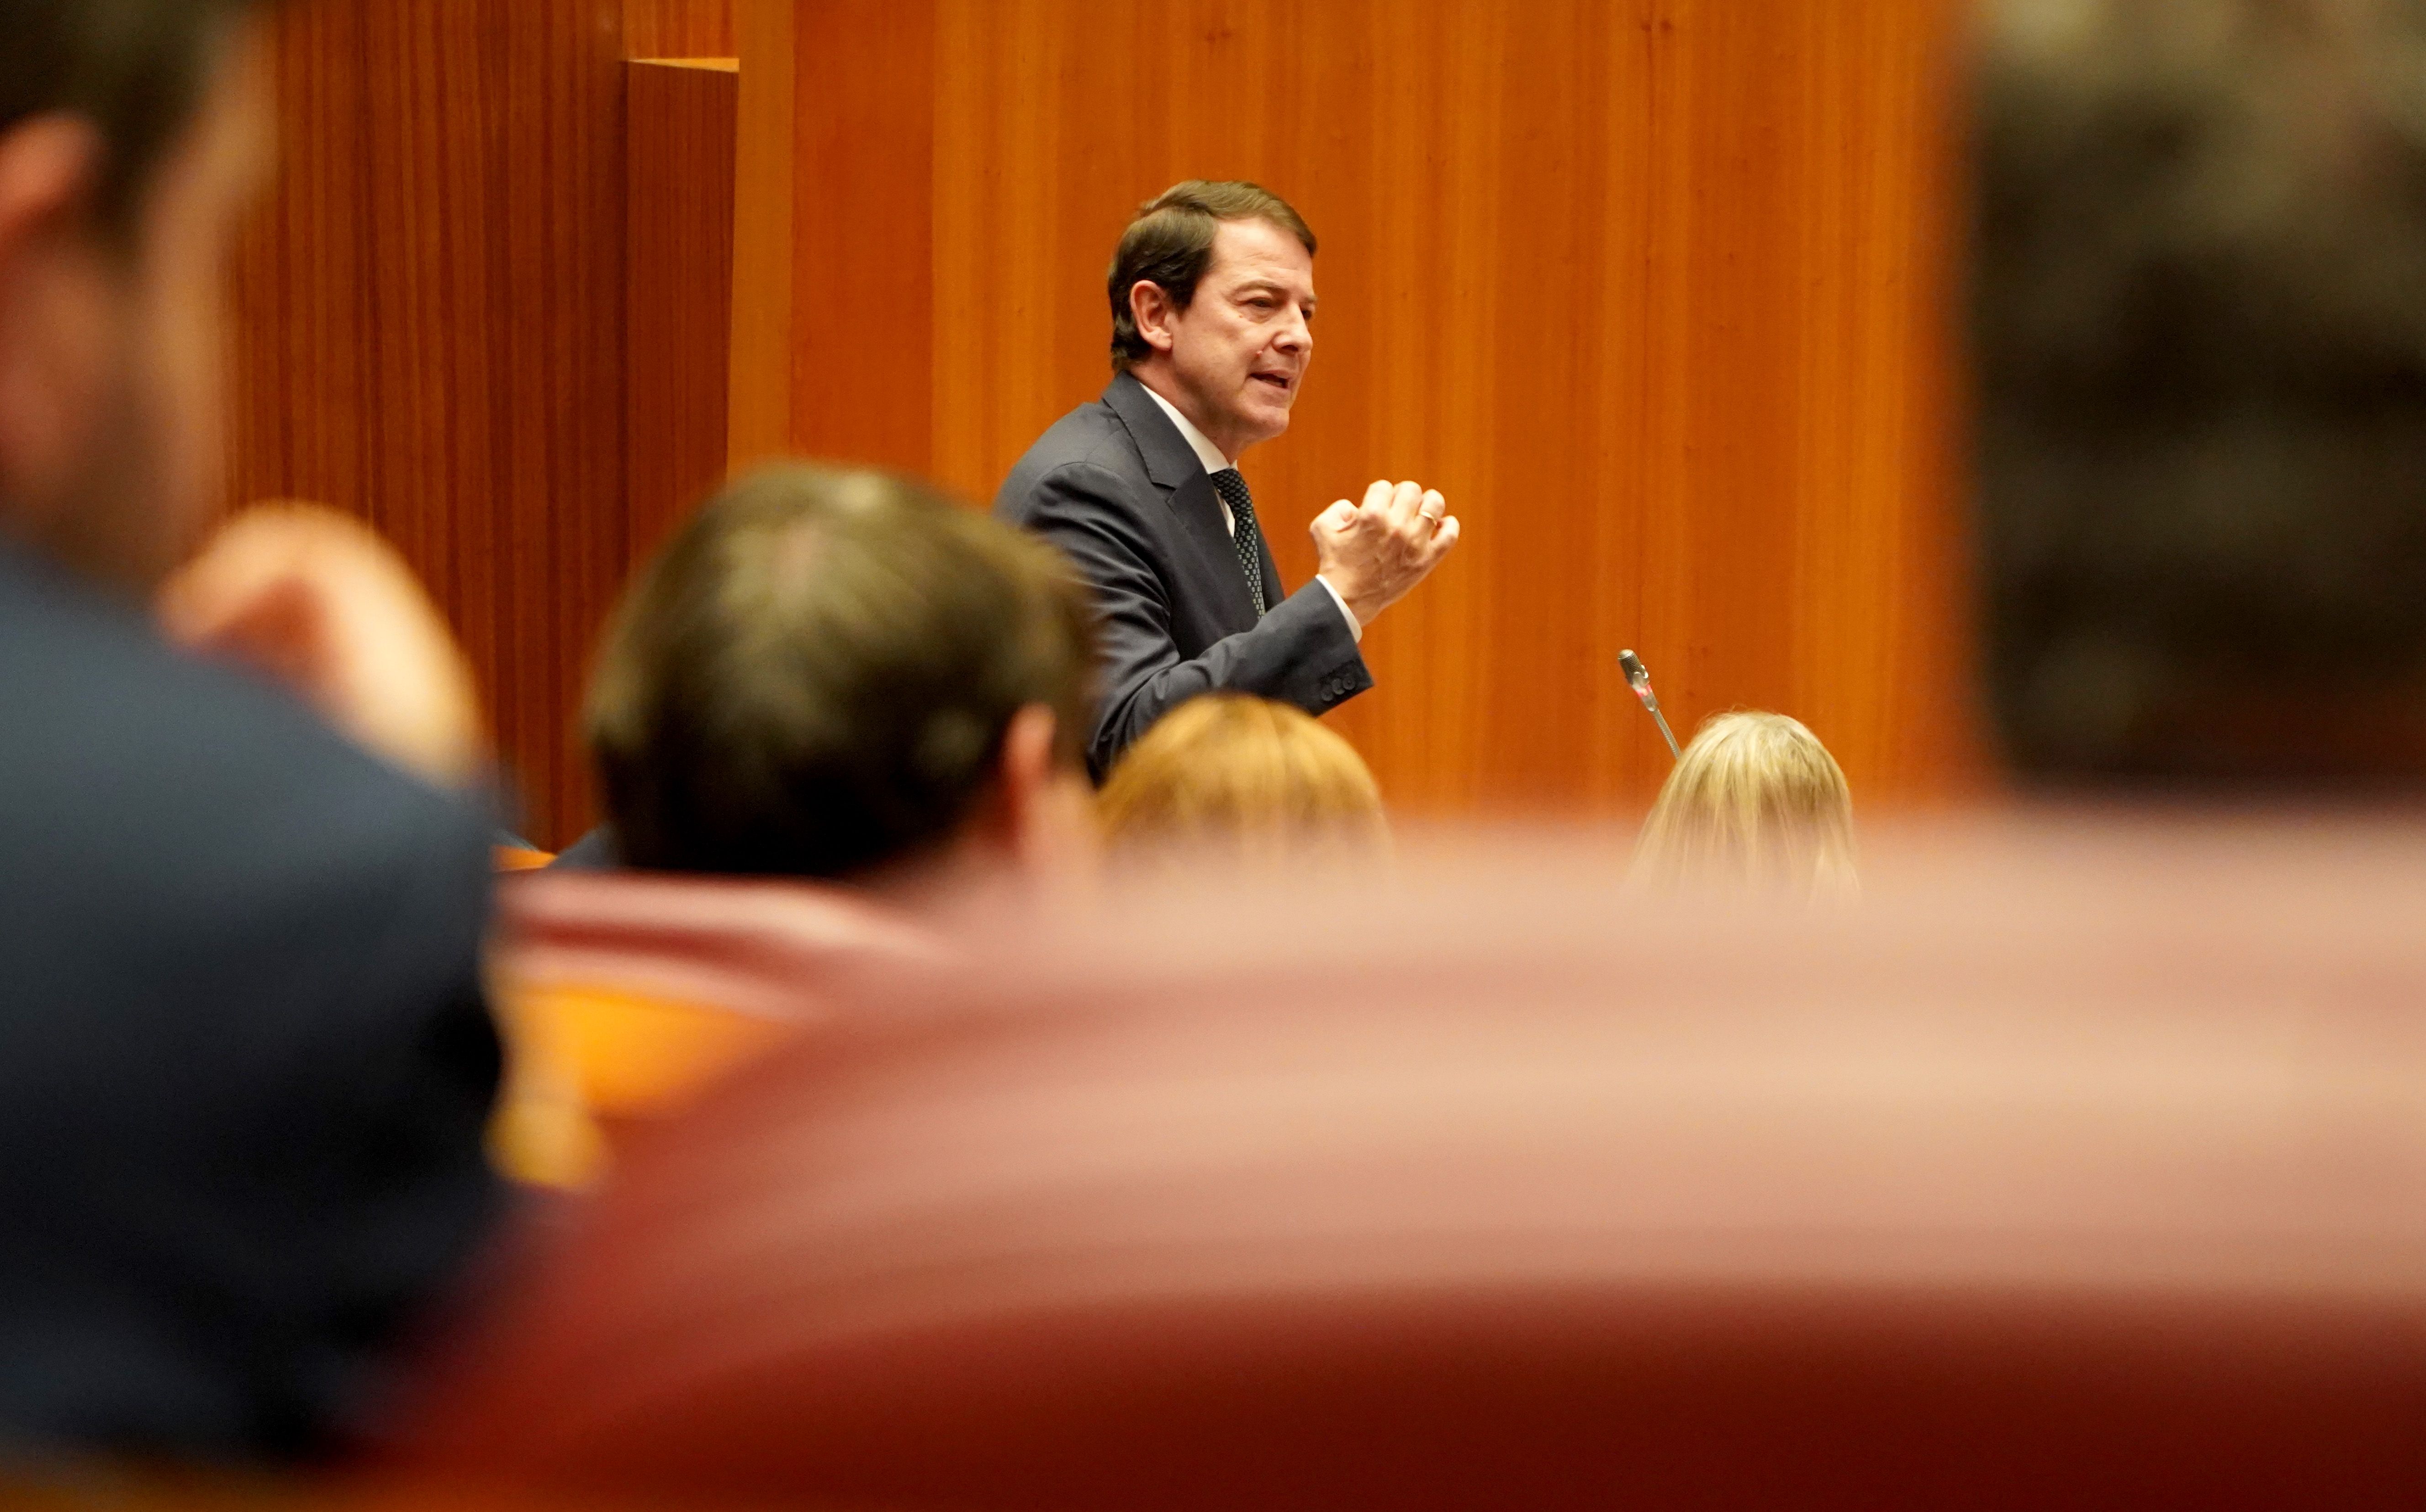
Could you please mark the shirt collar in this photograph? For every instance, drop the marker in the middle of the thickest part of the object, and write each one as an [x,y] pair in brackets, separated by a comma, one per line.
[1207,452]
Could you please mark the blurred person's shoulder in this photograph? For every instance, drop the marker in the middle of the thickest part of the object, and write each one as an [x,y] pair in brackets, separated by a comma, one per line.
[242,1021]
[142,783]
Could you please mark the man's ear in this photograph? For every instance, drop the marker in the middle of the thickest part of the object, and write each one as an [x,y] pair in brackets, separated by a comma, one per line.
[1151,309]
[1045,807]
[49,167]
[56,340]
[1024,771]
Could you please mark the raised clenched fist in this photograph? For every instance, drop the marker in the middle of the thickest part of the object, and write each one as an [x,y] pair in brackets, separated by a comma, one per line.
[1373,552]
[315,600]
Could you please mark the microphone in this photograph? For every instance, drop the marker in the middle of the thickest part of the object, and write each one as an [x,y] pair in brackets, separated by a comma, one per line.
[1639,679]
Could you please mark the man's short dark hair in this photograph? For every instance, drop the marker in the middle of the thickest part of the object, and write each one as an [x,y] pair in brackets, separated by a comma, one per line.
[1170,243]
[814,677]
[2200,317]
[137,70]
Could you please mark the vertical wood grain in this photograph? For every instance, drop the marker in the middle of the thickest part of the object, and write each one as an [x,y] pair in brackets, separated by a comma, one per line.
[678,28]
[1654,289]
[863,367]
[759,389]
[679,307]
[430,328]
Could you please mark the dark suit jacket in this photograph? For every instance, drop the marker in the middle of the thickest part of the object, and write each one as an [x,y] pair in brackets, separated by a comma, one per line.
[245,1061]
[1117,487]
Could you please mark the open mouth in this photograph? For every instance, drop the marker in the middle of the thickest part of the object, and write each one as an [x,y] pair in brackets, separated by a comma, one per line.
[1278,381]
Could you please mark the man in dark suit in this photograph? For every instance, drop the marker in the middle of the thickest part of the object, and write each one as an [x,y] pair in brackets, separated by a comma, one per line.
[1212,299]
[245,1061]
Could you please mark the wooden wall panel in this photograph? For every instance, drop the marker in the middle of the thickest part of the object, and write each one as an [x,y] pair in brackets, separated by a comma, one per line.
[759,391]
[678,28]
[679,271]
[862,284]
[430,327]
[1652,289]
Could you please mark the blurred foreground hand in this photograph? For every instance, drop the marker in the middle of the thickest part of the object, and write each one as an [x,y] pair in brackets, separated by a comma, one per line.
[314,599]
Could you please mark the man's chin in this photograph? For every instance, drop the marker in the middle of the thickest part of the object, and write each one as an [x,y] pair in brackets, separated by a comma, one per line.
[1268,422]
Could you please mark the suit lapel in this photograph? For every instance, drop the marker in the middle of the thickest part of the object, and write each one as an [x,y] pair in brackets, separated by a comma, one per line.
[1175,468]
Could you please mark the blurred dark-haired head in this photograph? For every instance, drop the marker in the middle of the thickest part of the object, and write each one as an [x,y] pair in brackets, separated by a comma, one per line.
[133,137]
[2200,318]
[831,672]
[137,71]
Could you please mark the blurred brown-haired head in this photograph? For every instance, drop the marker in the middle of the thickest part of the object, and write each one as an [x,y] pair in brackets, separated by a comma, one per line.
[136,70]
[816,677]
[1757,807]
[1260,779]
[135,138]
[2200,325]
[1169,244]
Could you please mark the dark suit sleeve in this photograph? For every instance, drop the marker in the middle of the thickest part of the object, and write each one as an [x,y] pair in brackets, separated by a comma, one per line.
[1301,652]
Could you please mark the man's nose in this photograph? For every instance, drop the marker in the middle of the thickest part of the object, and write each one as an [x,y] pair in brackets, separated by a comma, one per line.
[1297,336]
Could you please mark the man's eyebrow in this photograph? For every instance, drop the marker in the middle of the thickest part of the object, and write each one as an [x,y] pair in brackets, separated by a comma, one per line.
[1270,285]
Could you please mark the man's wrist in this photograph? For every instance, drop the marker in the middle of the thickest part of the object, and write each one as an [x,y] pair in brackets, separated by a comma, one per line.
[1355,626]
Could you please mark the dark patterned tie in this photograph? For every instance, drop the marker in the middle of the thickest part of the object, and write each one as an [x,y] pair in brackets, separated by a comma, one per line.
[1245,537]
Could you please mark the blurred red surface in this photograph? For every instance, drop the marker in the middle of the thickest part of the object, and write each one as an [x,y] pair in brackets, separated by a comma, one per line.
[2082,1165]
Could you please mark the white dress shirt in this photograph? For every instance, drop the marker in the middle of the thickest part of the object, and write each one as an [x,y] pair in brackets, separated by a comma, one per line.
[1210,455]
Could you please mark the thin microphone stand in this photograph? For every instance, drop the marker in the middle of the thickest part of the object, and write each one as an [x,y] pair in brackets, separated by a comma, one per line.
[1639,679]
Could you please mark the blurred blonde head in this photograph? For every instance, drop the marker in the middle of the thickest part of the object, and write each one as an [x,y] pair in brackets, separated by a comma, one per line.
[1757,807]
[1256,779]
